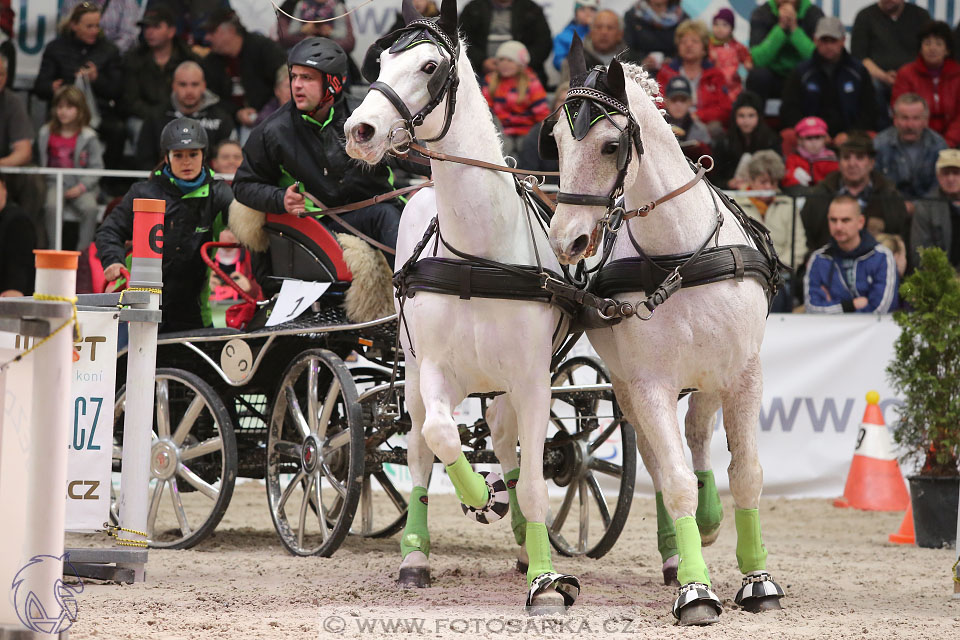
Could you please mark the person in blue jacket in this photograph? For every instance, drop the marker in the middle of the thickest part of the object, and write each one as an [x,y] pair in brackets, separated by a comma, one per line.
[852,272]
[583,13]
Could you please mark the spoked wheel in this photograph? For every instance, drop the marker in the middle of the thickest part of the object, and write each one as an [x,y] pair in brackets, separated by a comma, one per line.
[383,508]
[314,454]
[193,460]
[591,452]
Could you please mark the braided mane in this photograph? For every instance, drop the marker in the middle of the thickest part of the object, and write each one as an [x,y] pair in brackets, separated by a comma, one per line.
[647,82]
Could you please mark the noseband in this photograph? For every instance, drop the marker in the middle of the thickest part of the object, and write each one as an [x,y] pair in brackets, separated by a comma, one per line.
[443,82]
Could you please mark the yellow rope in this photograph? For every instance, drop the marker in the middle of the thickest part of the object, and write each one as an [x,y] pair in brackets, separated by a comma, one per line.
[112,530]
[72,321]
[147,289]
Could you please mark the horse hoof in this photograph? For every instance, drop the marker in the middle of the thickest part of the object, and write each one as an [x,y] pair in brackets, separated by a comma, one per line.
[699,614]
[498,502]
[759,605]
[759,593]
[696,604]
[551,594]
[522,567]
[709,536]
[670,571]
[414,578]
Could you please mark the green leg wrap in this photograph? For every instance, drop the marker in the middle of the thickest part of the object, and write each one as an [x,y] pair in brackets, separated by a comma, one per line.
[538,549]
[416,536]
[751,554]
[471,489]
[709,509]
[517,521]
[692,567]
[666,533]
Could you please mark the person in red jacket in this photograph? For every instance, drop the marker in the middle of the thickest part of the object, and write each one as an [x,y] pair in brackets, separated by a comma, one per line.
[812,160]
[935,76]
[515,94]
[711,101]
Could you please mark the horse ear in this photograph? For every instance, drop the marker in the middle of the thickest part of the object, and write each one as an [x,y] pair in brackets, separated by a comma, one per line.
[448,19]
[578,65]
[615,81]
[409,12]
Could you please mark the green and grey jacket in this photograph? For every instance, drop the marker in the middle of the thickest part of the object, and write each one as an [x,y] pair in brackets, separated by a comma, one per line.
[190,220]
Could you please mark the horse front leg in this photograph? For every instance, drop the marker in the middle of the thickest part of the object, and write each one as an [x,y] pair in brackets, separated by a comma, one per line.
[666,532]
[549,592]
[655,405]
[415,539]
[741,410]
[504,432]
[700,419]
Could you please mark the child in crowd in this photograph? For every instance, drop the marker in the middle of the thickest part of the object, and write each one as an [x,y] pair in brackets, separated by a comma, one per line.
[583,13]
[226,159]
[727,54]
[691,133]
[747,134]
[812,160]
[66,141]
[515,94]
[897,247]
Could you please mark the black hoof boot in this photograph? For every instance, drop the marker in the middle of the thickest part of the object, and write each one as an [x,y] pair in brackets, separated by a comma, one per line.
[522,567]
[697,605]
[414,578]
[759,593]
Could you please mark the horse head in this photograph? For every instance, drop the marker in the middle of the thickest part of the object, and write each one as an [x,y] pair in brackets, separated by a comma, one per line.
[597,140]
[409,84]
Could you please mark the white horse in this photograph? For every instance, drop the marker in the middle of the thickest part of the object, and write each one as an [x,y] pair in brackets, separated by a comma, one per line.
[705,337]
[464,346]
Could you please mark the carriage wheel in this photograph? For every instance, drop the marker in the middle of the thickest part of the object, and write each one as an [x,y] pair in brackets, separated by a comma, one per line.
[314,454]
[377,518]
[193,460]
[586,434]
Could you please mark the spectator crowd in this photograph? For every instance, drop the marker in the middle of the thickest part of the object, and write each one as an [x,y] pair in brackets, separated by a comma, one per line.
[847,133]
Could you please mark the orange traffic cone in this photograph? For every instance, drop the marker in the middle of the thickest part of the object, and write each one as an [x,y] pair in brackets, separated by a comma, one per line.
[905,534]
[874,482]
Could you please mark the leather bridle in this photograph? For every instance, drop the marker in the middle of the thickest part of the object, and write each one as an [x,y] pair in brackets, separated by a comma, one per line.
[447,88]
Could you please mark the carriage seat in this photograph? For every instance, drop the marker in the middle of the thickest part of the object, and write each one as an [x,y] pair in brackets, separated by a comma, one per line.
[304,249]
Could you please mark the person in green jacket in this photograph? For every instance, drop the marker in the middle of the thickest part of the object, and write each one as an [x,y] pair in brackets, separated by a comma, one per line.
[781,36]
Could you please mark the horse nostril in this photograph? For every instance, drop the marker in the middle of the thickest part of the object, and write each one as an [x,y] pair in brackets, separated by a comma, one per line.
[363,132]
[579,245]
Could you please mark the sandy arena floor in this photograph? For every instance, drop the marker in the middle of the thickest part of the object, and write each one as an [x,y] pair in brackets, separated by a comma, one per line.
[842,578]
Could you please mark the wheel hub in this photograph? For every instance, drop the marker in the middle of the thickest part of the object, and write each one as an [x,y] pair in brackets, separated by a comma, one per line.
[572,454]
[164,459]
[310,456]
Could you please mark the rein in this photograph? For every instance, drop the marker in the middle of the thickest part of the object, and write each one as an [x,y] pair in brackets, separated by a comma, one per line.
[333,213]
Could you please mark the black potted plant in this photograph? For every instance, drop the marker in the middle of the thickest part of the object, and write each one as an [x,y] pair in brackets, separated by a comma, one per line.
[925,372]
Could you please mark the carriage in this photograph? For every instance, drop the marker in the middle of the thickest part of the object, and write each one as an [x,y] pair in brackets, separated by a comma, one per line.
[283,404]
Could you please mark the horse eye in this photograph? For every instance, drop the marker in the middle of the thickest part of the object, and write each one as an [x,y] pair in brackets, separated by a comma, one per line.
[610,148]
[429,68]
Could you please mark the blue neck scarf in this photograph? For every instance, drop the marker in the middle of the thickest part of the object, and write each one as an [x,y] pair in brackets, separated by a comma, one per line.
[184,185]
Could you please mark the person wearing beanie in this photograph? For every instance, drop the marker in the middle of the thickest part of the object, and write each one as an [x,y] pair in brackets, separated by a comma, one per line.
[812,161]
[514,94]
[583,13]
[747,134]
[726,53]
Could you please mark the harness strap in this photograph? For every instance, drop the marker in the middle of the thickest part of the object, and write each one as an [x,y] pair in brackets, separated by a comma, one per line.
[446,157]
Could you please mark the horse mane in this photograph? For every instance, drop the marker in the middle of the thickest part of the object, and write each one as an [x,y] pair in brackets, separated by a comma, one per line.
[647,82]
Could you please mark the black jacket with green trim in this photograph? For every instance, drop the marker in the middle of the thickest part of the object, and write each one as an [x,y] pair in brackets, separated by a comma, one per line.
[289,146]
[190,220]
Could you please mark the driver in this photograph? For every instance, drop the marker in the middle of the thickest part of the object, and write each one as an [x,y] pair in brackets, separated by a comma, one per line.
[300,148]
